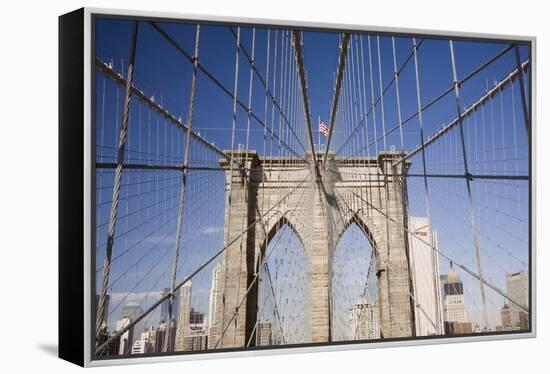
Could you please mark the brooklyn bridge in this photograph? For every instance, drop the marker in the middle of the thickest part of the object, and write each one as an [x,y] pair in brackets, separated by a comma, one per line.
[266,186]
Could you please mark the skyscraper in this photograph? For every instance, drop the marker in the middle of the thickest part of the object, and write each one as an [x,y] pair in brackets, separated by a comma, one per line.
[196,338]
[364,320]
[425,277]
[455,316]
[517,288]
[264,336]
[129,313]
[196,320]
[126,339]
[113,348]
[131,310]
[182,329]
[167,336]
[164,306]
[175,306]
[215,293]
[156,339]
[506,317]
[455,309]
[141,345]
[197,341]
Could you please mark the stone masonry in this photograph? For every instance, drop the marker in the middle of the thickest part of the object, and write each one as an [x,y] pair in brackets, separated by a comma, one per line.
[356,190]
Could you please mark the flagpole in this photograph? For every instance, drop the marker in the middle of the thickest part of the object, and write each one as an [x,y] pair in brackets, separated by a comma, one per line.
[318,136]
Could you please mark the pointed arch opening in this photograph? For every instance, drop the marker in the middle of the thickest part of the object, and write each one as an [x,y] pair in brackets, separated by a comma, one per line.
[354,284]
[283,289]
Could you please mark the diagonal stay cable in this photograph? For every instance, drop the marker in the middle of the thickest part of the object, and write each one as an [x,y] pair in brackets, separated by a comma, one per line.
[442,94]
[377,251]
[119,79]
[116,185]
[119,333]
[218,83]
[463,267]
[275,306]
[375,103]
[272,293]
[297,43]
[471,109]
[354,216]
[249,288]
[263,82]
[374,252]
[337,89]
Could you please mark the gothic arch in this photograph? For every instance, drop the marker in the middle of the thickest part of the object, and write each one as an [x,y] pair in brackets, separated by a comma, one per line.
[318,236]
[365,228]
[353,256]
[276,227]
[297,278]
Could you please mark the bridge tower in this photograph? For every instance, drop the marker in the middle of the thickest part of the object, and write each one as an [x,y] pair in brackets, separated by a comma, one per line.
[366,191]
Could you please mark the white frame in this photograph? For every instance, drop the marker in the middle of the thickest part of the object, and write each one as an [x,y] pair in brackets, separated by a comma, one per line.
[88,362]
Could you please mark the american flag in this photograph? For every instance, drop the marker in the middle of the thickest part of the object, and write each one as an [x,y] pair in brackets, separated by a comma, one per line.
[323,128]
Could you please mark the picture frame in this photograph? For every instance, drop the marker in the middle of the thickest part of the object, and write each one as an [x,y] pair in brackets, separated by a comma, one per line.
[259,150]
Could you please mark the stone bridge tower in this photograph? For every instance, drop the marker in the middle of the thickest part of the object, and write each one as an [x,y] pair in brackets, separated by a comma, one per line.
[366,191]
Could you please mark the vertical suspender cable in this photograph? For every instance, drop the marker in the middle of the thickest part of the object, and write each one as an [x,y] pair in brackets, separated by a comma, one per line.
[424,168]
[468,186]
[526,113]
[167,341]
[396,77]
[336,94]
[116,185]
[381,91]
[234,125]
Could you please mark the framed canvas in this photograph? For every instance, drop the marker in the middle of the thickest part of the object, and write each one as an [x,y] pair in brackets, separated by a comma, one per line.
[242,186]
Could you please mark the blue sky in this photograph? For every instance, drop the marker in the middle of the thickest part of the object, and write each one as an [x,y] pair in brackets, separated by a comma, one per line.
[160,69]
[495,141]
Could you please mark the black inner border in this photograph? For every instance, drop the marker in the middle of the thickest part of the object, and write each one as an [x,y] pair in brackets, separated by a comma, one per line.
[96,16]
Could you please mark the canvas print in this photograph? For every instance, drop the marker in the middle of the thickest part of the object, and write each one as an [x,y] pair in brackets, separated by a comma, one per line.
[264,187]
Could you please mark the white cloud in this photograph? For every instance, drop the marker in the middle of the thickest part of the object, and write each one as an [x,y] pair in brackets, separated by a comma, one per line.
[117,297]
[211,230]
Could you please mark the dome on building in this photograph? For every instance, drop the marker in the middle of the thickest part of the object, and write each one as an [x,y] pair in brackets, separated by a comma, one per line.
[131,310]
